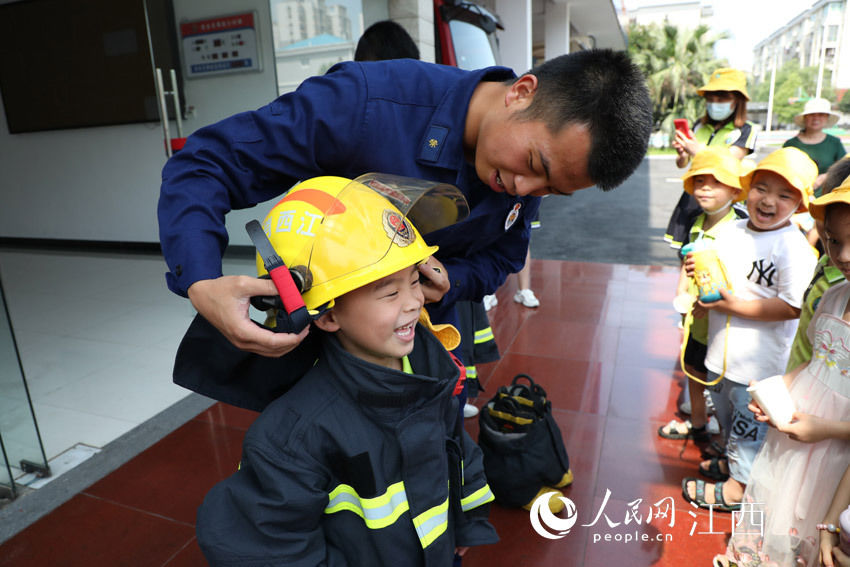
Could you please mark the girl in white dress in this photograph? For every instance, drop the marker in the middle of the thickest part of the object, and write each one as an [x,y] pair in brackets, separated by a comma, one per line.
[797,470]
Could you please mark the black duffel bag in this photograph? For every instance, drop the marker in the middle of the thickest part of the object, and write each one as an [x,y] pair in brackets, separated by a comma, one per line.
[522,445]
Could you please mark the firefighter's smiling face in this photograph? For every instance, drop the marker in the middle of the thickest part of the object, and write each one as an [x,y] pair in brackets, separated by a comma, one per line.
[521,156]
[377,322]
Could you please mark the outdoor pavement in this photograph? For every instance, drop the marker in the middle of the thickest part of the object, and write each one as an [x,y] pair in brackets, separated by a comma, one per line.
[623,226]
[627,224]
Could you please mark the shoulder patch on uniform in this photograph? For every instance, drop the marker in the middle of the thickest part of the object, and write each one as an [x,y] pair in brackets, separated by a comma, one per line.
[433,143]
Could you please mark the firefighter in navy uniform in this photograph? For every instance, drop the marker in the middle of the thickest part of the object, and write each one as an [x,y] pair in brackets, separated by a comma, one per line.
[364,460]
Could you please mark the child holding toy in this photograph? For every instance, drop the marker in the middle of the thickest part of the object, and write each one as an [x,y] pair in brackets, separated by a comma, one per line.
[795,475]
[768,263]
[714,181]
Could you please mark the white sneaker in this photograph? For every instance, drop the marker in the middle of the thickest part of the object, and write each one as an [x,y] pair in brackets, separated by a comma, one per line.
[489,301]
[470,410]
[526,297]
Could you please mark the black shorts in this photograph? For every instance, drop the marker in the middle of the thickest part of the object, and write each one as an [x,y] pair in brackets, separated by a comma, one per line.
[695,353]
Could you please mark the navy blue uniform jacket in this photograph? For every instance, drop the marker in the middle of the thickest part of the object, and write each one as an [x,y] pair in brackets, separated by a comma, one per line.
[402,117]
[356,465]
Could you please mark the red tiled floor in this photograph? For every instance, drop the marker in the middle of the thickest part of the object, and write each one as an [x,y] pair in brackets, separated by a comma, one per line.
[603,343]
[92,531]
[172,477]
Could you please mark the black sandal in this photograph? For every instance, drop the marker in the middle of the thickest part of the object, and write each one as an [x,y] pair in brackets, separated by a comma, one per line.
[720,504]
[713,472]
[671,431]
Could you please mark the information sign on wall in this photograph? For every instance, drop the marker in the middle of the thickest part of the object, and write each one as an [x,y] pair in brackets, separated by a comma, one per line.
[226,44]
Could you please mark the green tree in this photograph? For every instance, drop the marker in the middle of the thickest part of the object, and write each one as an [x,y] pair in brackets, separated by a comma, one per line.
[675,61]
[793,87]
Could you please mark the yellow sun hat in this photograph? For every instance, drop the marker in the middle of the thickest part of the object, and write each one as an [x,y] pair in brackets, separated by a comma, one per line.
[840,194]
[719,162]
[725,79]
[794,165]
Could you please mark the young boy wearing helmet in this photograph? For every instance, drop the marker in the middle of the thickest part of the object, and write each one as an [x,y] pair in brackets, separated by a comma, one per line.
[364,460]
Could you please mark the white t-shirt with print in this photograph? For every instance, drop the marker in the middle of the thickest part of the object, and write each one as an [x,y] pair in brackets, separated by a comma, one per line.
[759,265]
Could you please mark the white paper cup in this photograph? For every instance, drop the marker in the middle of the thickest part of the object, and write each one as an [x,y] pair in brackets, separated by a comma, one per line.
[774,399]
[682,303]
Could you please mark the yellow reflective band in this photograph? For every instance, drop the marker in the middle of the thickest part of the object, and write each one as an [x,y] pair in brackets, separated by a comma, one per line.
[432,523]
[405,365]
[484,335]
[508,417]
[478,498]
[471,372]
[378,512]
[521,400]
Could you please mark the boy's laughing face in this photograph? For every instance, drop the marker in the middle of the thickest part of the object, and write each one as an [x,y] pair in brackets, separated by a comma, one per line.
[771,201]
[377,322]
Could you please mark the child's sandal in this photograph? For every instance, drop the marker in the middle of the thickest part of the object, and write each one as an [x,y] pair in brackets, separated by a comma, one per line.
[713,471]
[671,431]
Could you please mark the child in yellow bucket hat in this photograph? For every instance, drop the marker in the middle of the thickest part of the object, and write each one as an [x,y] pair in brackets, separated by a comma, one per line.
[724,124]
[801,457]
[714,181]
[826,274]
[768,265]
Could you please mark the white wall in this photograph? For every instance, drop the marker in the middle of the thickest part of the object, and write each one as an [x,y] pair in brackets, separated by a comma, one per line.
[103,183]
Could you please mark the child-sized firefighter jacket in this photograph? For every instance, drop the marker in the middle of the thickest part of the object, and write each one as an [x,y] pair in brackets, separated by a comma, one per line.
[356,465]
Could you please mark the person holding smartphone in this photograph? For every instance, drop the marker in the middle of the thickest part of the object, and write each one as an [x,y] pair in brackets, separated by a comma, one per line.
[723,124]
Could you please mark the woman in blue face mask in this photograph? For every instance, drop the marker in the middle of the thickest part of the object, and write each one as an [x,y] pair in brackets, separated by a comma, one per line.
[724,124]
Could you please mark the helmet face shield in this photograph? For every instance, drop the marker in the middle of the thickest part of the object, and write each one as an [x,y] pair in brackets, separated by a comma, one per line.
[339,235]
[429,205]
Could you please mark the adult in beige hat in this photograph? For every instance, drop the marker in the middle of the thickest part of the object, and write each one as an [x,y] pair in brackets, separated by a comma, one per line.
[825,149]
[724,124]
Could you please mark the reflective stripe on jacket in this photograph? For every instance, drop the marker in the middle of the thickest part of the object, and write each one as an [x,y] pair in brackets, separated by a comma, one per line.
[356,465]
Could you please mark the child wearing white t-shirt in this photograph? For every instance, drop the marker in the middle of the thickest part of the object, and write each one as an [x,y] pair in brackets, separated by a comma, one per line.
[768,264]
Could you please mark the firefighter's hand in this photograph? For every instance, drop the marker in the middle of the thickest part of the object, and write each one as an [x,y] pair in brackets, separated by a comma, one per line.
[224,302]
[434,279]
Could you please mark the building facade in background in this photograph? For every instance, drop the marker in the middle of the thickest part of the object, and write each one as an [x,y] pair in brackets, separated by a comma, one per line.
[299,20]
[678,13]
[818,35]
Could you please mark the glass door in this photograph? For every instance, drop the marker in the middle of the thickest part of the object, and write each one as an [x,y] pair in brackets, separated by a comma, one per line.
[21,450]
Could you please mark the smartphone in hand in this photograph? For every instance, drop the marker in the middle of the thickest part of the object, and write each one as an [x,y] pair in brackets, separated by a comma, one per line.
[682,126]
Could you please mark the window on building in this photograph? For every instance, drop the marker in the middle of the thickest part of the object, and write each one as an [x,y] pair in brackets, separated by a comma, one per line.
[832,33]
[310,36]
